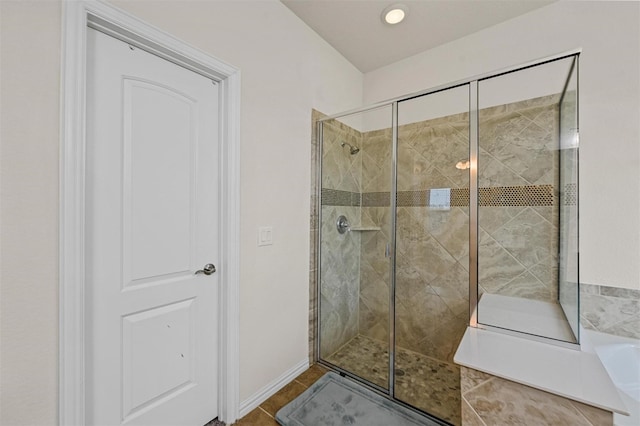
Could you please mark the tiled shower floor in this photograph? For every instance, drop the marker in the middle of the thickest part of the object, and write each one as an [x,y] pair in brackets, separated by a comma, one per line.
[426,383]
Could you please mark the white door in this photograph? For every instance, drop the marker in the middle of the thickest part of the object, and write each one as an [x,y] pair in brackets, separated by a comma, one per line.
[151,223]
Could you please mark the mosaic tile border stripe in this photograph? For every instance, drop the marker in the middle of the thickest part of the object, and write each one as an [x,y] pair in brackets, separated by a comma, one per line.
[530,195]
[335,197]
[455,197]
[504,196]
[376,199]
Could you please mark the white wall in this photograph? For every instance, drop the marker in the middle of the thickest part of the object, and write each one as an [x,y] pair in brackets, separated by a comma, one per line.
[609,34]
[286,71]
[29,113]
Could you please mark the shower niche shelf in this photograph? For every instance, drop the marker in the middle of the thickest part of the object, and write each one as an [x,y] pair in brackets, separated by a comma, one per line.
[342,225]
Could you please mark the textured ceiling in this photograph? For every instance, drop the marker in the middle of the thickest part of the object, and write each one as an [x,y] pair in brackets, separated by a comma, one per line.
[355,29]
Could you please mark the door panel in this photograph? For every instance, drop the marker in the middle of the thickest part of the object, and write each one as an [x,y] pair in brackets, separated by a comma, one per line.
[158,354]
[151,223]
[158,205]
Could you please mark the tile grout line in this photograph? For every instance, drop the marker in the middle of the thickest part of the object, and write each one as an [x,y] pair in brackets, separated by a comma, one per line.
[473,410]
[479,384]
[266,412]
[581,414]
[301,384]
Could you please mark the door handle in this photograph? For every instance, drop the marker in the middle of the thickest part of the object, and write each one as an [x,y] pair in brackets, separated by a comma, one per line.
[208,269]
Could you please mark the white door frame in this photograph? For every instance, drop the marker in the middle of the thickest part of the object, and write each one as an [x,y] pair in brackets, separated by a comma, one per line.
[77,16]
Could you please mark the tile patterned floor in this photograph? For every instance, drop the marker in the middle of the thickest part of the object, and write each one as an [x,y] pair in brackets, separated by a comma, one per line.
[265,413]
[426,383]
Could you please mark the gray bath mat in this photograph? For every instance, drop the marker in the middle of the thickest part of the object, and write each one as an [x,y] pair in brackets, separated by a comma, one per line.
[335,401]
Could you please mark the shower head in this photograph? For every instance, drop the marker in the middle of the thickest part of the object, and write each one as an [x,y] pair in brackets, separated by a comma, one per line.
[352,149]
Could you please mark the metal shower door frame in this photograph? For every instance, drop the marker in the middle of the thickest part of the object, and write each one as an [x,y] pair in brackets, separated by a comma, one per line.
[473,215]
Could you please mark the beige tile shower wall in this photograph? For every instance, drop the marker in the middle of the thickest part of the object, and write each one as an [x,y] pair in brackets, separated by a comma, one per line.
[519,241]
[340,170]
[432,254]
[339,281]
[374,274]
[376,211]
[488,400]
[340,253]
[518,221]
[432,282]
[376,161]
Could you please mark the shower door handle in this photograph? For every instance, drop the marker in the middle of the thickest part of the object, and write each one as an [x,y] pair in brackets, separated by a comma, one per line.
[387,250]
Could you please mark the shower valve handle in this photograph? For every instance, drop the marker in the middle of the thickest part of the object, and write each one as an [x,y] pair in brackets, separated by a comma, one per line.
[343,225]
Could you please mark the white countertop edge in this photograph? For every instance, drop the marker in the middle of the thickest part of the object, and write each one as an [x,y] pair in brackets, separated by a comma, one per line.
[572,374]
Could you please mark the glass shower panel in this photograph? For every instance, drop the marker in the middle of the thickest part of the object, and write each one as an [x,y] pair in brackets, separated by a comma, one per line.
[568,191]
[520,179]
[355,234]
[432,255]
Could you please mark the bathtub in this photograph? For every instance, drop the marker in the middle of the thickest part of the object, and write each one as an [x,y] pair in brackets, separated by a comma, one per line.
[621,358]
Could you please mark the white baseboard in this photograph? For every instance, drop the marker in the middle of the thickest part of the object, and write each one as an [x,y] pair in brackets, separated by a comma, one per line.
[266,392]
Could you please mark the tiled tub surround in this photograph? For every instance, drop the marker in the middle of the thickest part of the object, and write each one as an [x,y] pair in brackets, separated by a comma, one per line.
[511,380]
[490,400]
[570,374]
[577,374]
[619,356]
[610,310]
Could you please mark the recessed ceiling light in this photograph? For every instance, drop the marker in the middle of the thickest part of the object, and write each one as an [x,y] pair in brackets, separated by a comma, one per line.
[394,14]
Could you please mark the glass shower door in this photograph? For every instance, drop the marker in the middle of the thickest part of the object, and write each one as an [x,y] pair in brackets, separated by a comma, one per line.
[447,210]
[355,236]
[432,255]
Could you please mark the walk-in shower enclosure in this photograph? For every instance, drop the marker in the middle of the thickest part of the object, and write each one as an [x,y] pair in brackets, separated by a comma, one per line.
[449,208]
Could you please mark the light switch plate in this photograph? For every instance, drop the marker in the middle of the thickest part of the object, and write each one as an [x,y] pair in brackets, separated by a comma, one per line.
[265,236]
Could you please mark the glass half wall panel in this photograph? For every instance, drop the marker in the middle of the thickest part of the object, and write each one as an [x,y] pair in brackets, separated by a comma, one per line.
[527,195]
